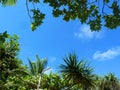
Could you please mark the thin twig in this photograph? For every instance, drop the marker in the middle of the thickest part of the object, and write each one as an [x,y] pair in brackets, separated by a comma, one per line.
[92,2]
[103,7]
[28,11]
[33,5]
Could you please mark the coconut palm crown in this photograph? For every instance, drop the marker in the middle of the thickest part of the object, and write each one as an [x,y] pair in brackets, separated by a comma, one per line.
[36,68]
[110,82]
[79,72]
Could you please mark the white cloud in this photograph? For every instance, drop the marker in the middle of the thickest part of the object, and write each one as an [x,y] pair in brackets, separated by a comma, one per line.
[107,55]
[86,33]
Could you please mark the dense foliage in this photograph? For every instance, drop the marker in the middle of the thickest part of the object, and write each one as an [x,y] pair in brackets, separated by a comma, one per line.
[96,13]
[74,74]
[11,68]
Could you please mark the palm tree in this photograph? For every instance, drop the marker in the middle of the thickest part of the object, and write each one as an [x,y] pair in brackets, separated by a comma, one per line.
[37,68]
[79,72]
[110,82]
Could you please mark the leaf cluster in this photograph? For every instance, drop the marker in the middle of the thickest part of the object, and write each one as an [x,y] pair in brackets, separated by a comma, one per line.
[37,18]
[95,13]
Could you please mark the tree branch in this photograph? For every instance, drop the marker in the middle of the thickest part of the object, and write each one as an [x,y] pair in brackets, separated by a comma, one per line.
[28,11]
[103,7]
[92,2]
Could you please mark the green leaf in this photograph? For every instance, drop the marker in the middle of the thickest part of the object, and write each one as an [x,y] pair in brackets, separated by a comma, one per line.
[106,1]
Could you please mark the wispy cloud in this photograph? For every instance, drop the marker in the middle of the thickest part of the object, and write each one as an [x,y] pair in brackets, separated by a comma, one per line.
[86,33]
[107,55]
[52,59]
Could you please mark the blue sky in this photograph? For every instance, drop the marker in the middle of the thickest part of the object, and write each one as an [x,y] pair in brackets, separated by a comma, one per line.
[56,38]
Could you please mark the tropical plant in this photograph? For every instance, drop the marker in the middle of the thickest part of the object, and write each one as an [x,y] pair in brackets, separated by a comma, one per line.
[109,82]
[9,48]
[36,68]
[79,72]
[11,68]
[52,81]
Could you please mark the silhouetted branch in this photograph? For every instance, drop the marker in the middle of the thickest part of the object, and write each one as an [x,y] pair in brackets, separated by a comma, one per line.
[28,11]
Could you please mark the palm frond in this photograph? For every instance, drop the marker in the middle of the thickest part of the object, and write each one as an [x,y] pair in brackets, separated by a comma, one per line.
[36,68]
[40,64]
[18,71]
[31,67]
[6,86]
[79,72]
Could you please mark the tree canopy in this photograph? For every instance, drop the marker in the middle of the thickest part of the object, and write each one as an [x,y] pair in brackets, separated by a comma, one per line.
[95,13]
[74,74]
[78,72]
